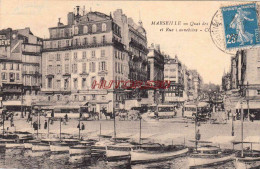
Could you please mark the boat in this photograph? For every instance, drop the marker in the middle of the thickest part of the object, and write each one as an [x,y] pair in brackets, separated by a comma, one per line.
[15,145]
[207,156]
[61,147]
[29,144]
[156,152]
[251,154]
[118,152]
[80,150]
[36,147]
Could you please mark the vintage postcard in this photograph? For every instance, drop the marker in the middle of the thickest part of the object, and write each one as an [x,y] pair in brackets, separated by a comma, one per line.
[129,84]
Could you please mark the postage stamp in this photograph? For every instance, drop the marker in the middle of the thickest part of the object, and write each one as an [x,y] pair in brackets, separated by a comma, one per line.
[241,25]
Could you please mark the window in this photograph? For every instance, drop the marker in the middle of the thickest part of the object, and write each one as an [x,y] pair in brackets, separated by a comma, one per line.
[258,92]
[67,42]
[4,76]
[59,44]
[58,69]
[62,33]
[58,57]
[76,30]
[103,39]
[49,82]
[4,66]
[115,54]
[103,53]
[102,65]
[76,97]
[85,41]
[104,27]
[83,83]
[76,42]
[66,83]
[67,68]
[67,56]
[84,67]
[93,97]
[84,55]
[85,29]
[93,53]
[116,67]
[49,98]
[58,84]
[84,98]
[11,66]
[94,28]
[18,67]
[75,82]
[75,68]
[93,66]
[75,55]
[94,40]
[58,97]
[17,76]
[122,69]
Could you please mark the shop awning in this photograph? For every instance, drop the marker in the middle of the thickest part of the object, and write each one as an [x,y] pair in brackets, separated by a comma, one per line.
[251,105]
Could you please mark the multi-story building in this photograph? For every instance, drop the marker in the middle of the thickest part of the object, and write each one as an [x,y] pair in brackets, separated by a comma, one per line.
[196,83]
[155,70]
[20,55]
[88,48]
[173,72]
[134,37]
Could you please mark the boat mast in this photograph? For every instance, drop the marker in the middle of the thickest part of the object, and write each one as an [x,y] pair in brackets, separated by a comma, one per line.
[79,125]
[196,142]
[60,129]
[140,136]
[242,127]
[114,125]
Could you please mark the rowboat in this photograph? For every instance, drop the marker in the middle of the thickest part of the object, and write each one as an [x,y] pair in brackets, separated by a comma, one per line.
[40,147]
[99,148]
[156,153]
[118,152]
[29,144]
[251,155]
[80,150]
[60,147]
[15,145]
[209,156]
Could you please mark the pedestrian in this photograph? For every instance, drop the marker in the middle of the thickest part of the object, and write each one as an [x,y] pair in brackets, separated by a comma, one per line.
[35,125]
[12,121]
[78,126]
[45,124]
[82,126]
[66,117]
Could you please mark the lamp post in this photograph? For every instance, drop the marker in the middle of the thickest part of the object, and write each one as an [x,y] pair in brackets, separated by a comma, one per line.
[242,131]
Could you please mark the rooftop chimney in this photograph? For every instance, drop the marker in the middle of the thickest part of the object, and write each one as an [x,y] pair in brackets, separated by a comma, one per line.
[77,10]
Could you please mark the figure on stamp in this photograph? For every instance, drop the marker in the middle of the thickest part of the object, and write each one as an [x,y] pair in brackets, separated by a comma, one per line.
[238,24]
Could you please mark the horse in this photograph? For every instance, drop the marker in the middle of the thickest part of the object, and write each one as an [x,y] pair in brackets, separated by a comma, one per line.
[110,114]
[94,115]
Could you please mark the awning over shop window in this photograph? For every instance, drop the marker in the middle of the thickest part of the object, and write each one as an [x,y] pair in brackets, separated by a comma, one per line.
[251,105]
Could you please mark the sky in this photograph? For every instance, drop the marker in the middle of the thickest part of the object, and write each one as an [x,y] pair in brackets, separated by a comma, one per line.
[194,49]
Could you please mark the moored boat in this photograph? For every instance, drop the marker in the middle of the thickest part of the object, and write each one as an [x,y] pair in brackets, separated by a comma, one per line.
[156,153]
[207,156]
[40,147]
[80,150]
[29,144]
[60,147]
[118,152]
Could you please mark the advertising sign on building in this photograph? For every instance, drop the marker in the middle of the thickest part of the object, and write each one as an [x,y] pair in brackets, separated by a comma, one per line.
[4,41]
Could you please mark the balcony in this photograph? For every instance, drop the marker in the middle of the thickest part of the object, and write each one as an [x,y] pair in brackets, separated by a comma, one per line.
[66,74]
[31,53]
[102,72]
[78,46]
[118,44]
[136,44]
[84,74]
